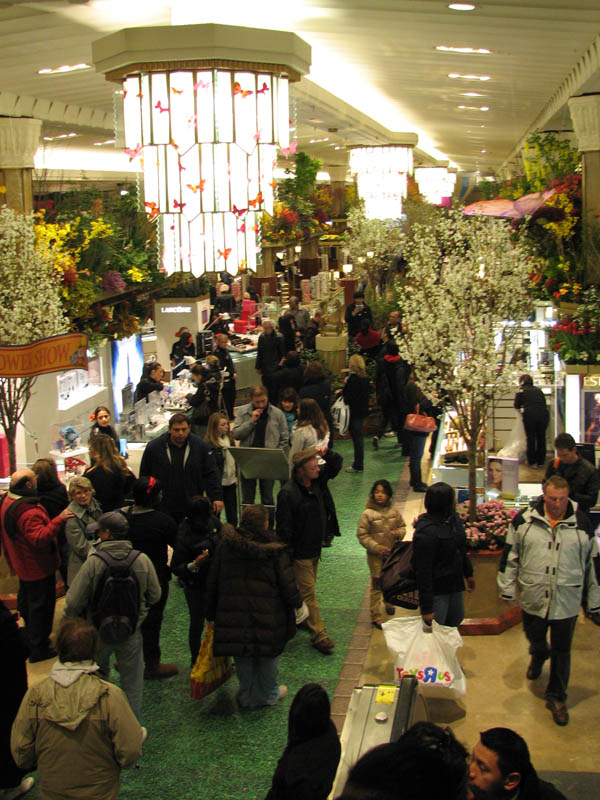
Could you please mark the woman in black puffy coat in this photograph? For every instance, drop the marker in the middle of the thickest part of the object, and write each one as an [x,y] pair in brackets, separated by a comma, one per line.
[252,595]
[356,396]
[440,558]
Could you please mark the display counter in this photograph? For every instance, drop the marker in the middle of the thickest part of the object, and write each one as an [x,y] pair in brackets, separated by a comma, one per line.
[247,376]
[450,459]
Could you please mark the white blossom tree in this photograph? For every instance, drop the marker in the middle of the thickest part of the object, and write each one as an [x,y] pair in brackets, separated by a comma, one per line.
[463,297]
[31,309]
[382,238]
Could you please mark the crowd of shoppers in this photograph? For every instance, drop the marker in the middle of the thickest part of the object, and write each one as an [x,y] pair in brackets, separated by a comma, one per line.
[250,580]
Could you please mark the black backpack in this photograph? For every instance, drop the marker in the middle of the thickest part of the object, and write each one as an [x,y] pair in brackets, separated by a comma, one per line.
[116,604]
[398,582]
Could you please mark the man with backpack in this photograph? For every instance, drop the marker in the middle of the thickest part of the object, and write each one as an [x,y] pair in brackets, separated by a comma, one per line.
[114,588]
[28,538]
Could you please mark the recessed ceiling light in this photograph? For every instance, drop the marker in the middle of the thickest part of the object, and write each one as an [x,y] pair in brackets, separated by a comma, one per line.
[59,136]
[64,68]
[484,151]
[462,6]
[484,108]
[101,144]
[448,49]
[469,77]
[471,94]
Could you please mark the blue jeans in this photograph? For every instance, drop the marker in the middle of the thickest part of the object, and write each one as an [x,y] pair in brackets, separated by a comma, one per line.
[258,681]
[449,609]
[355,428]
[130,656]
[416,448]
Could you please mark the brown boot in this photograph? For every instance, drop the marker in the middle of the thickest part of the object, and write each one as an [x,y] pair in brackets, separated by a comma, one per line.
[157,671]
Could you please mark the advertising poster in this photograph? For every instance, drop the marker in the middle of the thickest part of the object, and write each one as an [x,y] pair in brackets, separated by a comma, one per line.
[502,476]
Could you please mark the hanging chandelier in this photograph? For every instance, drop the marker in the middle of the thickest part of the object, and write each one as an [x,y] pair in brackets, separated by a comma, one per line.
[382,174]
[205,123]
[436,184]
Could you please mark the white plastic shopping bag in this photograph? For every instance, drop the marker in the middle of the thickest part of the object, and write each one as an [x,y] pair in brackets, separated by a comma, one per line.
[516,445]
[430,656]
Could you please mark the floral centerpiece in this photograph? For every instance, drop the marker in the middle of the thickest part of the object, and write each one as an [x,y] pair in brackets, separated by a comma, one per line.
[489,528]
[301,210]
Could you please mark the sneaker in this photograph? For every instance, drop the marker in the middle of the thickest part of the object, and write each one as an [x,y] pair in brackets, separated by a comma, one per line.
[158,671]
[144,734]
[25,785]
[560,715]
[389,434]
[351,469]
[375,441]
[324,646]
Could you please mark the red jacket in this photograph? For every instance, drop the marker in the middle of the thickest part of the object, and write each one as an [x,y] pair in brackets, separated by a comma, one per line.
[33,553]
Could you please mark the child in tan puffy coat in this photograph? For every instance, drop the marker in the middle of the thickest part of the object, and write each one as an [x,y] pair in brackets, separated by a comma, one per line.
[380,525]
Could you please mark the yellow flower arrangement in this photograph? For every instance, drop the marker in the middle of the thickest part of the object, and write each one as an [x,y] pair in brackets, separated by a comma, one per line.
[566,227]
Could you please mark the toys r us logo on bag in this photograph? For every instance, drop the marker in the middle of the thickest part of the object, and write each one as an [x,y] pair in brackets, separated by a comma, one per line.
[427,675]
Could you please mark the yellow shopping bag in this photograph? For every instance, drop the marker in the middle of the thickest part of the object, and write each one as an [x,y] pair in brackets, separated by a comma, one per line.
[209,671]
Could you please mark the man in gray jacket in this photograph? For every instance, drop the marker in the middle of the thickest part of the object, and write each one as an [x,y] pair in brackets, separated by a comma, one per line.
[112,529]
[550,555]
[260,424]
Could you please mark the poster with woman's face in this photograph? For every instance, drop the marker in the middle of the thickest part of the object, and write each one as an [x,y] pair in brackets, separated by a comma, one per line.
[591,416]
[503,476]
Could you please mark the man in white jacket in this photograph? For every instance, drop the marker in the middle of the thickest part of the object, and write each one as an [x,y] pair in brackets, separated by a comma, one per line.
[551,556]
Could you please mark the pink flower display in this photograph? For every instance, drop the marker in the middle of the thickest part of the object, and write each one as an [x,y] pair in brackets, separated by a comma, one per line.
[489,530]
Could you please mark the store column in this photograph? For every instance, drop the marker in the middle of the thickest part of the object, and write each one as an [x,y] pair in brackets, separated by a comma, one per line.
[585,114]
[337,176]
[19,139]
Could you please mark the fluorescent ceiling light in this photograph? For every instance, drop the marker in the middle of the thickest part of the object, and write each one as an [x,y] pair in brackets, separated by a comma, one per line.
[474,108]
[465,50]
[461,6]
[469,77]
[471,94]
[64,68]
[60,136]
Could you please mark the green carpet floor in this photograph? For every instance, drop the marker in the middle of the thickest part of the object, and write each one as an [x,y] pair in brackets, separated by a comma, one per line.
[210,749]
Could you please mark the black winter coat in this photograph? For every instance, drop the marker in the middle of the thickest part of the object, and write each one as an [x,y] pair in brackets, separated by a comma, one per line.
[390,382]
[191,541]
[13,674]
[251,595]
[306,770]
[356,395]
[112,489]
[287,376]
[301,517]
[440,558]
[199,471]
[226,362]
[270,351]
[53,496]
[145,387]
[151,531]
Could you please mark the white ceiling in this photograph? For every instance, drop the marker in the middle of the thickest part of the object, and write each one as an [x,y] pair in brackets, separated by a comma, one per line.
[375,67]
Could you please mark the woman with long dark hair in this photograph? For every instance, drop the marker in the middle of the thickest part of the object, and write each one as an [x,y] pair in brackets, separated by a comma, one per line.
[310,760]
[101,420]
[440,558]
[151,381]
[310,429]
[109,474]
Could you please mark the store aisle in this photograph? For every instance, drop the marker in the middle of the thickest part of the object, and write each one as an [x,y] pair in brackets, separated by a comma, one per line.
[211,750]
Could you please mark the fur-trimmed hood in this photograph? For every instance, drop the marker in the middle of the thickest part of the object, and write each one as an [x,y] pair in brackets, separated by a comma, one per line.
[247,543]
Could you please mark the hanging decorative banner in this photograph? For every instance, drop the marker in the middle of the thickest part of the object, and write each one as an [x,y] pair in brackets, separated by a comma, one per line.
[55,354]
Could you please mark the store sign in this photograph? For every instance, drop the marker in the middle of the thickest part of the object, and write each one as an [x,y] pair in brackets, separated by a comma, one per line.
[176,310]
[591,381]
[55,354]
